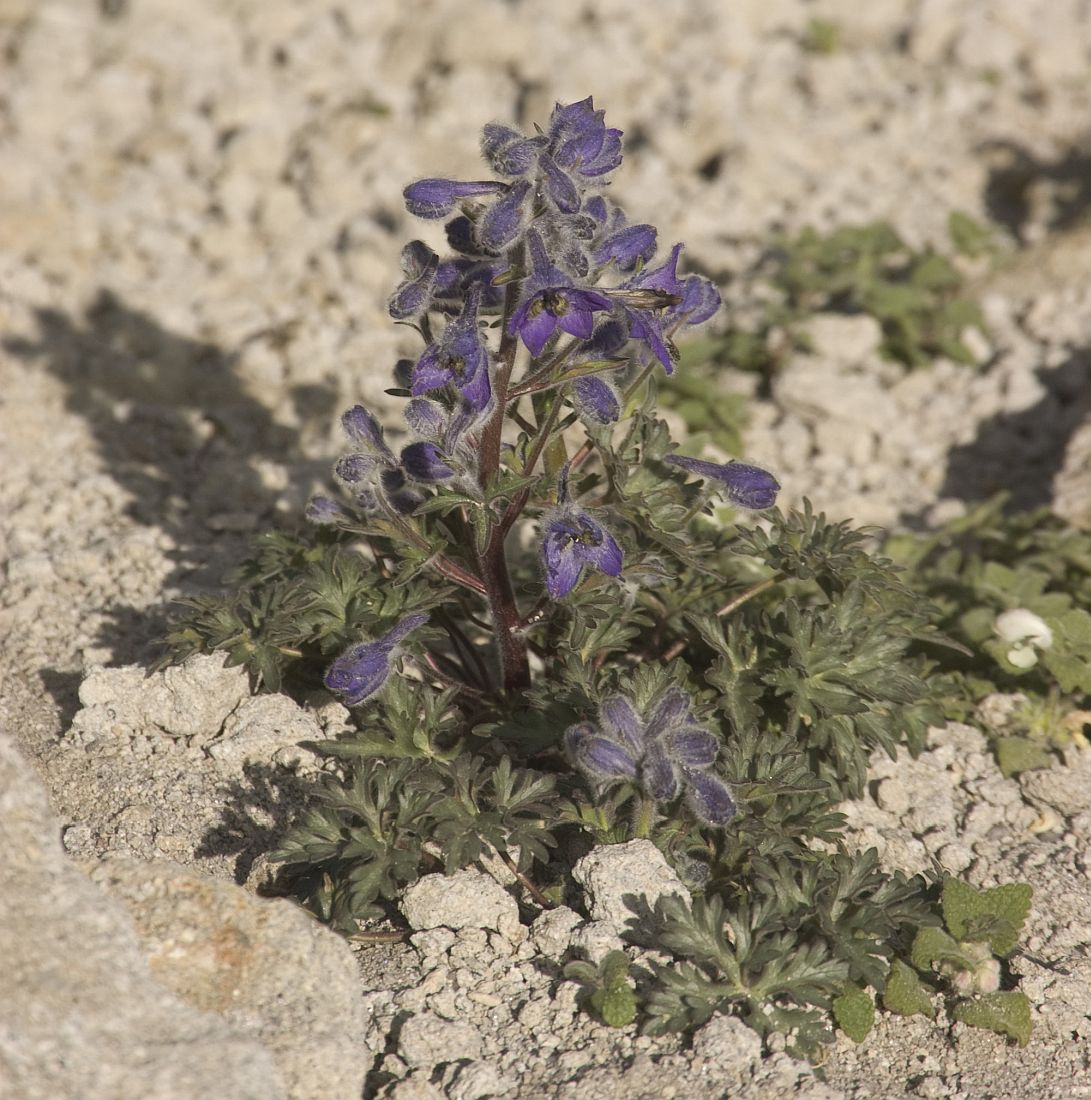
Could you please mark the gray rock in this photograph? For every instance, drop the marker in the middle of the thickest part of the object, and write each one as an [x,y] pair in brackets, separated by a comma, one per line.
[1065,789]
[428,1040]
[848,340]
[552,931]
[82,1017]
[267,728]
[272,972]
[613,873]
[191,700]
[466,899]
[595,939]
[479,1080]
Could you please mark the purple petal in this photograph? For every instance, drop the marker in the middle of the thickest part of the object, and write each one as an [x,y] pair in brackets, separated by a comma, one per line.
[605,760]
[426,462]
[508,152]
[659,777]
[562,564]
[694,747]
[503,221]
[673,710]
[405,627]
[576,322]
[426,418]
[743,485]
[323,511]
[431,371]
[363,669]
[359,673]
[622,722]
[596,399]
[559,188]
[700,300]
[534,326]
[606,556]
[607,339]
[477,389]
[401,497]
[608,158]
[361,427]
[663,278]
[628,247]
[709,799]
[647,327]
[436,198]
[576,132]
[356,467]
[596,207]
[460,236]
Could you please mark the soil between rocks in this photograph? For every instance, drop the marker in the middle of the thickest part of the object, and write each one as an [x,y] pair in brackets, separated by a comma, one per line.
[199,226]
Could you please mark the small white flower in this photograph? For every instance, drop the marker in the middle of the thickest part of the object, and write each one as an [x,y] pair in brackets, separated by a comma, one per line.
[1026,632]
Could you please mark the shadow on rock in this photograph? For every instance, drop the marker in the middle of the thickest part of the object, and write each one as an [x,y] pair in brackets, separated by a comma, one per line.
[1019,181]
[257,812]
[176,428]
[1022,452]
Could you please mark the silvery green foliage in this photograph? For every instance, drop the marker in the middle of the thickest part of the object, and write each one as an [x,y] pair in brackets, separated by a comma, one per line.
[630,667]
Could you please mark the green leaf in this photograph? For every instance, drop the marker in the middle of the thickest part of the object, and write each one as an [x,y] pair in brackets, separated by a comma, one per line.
[615,1001]
[932,945]
[1006,1013]
[904,993]
[854,1012]
[1020,754]
[995,915]
[969,237]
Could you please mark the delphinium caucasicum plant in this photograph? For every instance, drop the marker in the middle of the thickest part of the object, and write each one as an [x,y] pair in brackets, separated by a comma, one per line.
[544,630]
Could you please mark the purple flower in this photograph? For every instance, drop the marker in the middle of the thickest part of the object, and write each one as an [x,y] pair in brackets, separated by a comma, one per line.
[503,221]
[426,418]
[709,798]
[460,358]
[666,754]
[508,152]
[628,247]
[551,301]
[324,512]
[361,427]
[741,484]
[457,276]
[360,671]
[559,189]
[693,747]
[414,294]
[436,198]
[580,141]
[656,297]
[397,491]
[600,757]
[426,462]
[596,399]
[572,541]
[622,723]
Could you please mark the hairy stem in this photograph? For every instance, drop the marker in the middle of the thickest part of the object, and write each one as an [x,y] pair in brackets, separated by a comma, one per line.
[514,666]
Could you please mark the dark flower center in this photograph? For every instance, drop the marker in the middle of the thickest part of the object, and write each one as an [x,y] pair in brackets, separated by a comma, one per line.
[555,302]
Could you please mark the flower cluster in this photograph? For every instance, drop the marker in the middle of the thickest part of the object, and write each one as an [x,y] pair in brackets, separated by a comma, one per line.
[550,310]
[666,754]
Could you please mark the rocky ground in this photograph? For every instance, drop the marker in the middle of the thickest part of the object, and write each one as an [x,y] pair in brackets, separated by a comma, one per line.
[199,226]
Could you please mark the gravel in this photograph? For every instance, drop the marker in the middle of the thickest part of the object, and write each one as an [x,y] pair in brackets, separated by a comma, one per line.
[199,227]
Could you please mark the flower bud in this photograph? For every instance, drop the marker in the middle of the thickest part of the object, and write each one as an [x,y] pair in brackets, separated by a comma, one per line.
[596,399]
[709,799]
[436,198]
